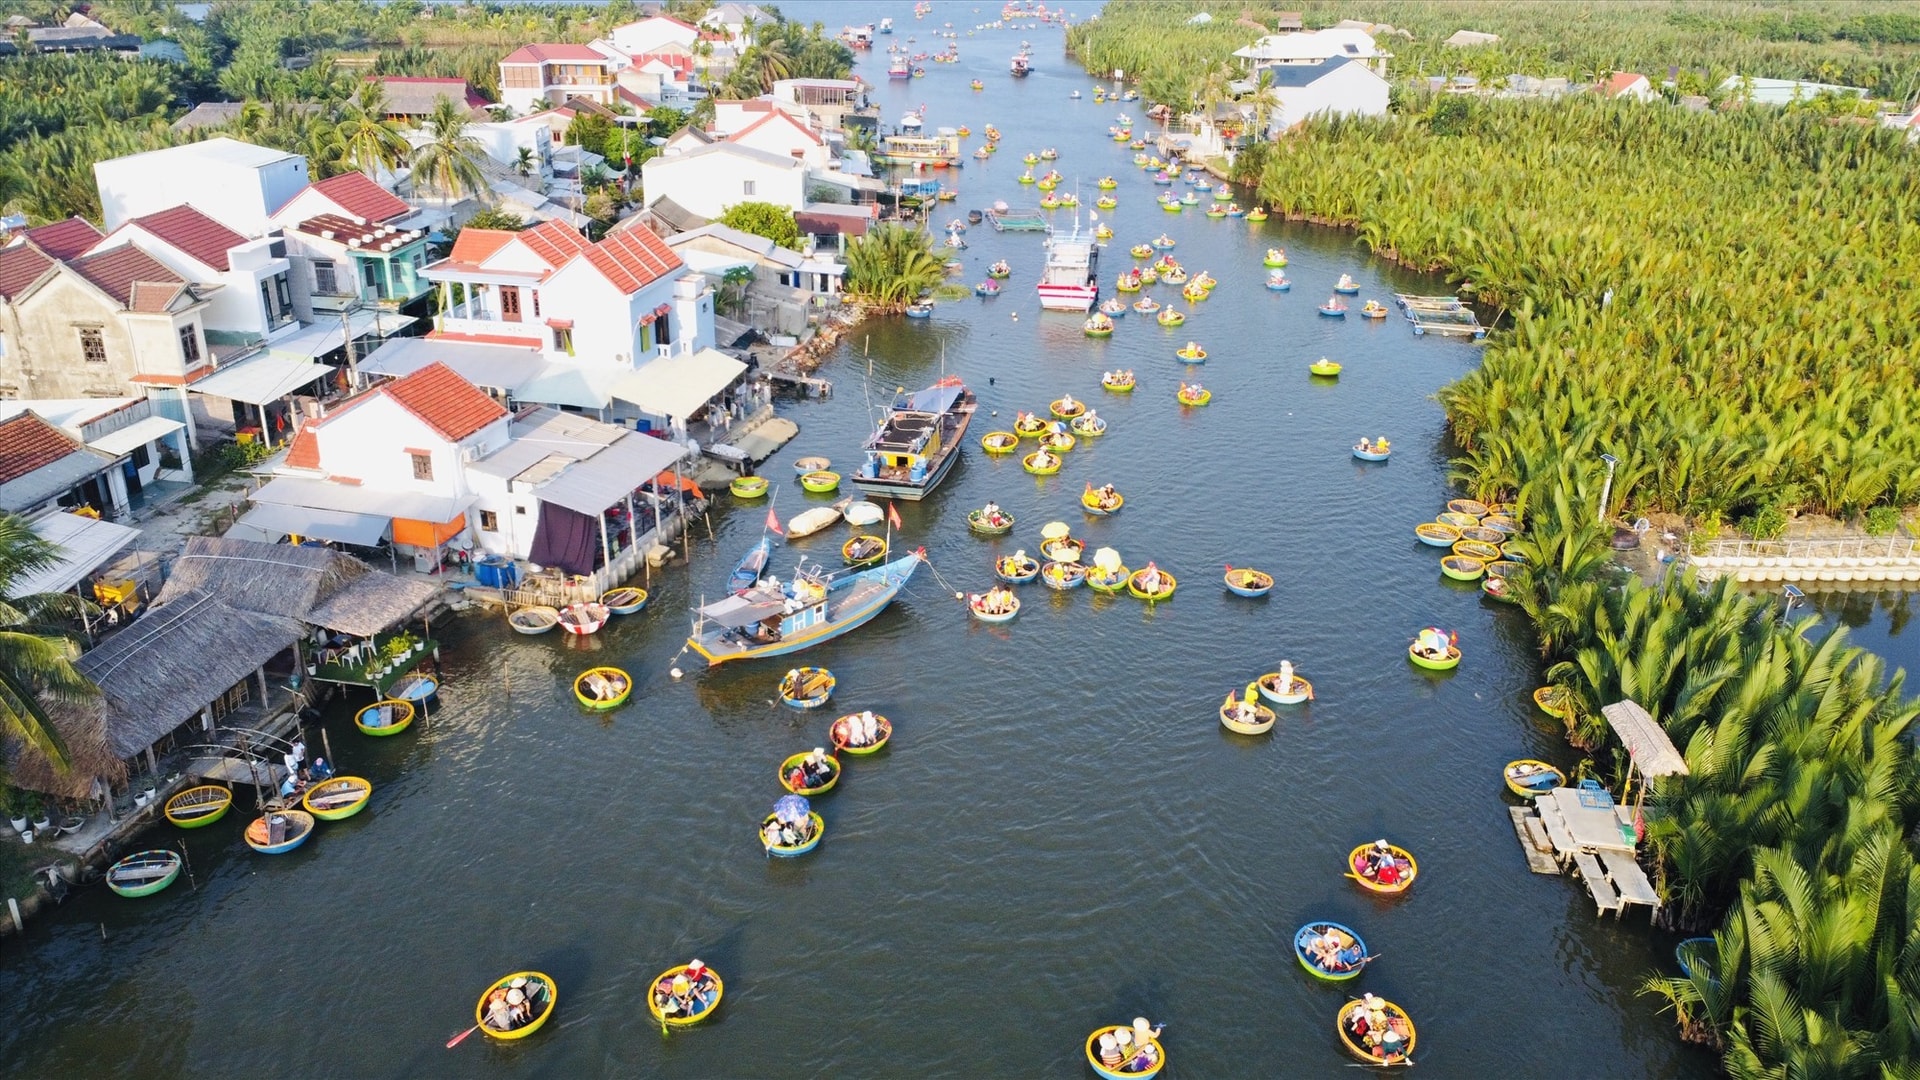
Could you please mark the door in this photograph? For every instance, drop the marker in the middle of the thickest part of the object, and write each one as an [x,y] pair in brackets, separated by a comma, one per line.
[510,303]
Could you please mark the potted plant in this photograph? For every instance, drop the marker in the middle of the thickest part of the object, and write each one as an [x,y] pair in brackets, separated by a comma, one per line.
[41,822]
[15,802]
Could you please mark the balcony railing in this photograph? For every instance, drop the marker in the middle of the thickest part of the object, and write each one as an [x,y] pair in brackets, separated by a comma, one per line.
[456,324]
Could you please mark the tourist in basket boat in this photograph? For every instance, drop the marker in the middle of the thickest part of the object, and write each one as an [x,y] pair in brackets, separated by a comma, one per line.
[1150,579]
[605,687]
[1044,460]
[991,514]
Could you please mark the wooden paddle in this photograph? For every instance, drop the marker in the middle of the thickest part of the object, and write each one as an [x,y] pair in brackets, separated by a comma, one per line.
[458,1039]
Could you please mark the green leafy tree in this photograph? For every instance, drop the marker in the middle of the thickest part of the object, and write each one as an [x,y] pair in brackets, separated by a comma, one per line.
[36,654]
[766,219]
[449,162]
[891,266]
[495,218]
[371,141]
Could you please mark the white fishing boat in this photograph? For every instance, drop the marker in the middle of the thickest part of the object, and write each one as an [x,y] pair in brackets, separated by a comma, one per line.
[1070,280]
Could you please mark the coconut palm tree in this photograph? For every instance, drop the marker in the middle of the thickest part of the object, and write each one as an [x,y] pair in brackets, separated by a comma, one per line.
[891,266]
[36,655]
[372,141]
[449,162]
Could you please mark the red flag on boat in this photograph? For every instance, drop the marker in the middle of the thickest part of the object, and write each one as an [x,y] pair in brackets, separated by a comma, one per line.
[774,523]
[893,517]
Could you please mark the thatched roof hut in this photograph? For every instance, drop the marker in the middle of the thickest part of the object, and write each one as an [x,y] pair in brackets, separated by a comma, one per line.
[316,586]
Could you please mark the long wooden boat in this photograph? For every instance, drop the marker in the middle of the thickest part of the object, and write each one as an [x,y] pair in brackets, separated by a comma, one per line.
[1295,692]
[1406,869]
[388,716]
[338,797]
[540,991]
[198,807]
[978,521]
[1528,778]
[1248,582]
[1452,659]
[1552,700]
[807,687]
[811,607]
[1121,1071]
[1463,567]
[691,1008]
[1138,591]
[625,600]
[1062,576]
[792,766]
[602,688]
[1350,945]
[840,734]
[864,550]
[294,827]
[534,620]
[583,619]
[977,603]
[817,830]
[1369,1050]
[1435,534]
[1261,723]
[1474,549]
[751,566]
[918,442]
[144,873]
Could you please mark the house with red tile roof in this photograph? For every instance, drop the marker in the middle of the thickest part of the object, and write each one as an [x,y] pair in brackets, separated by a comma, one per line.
[534,77]
[255,299]
[606,307]
[350,238]
[42,467]
[1626,85]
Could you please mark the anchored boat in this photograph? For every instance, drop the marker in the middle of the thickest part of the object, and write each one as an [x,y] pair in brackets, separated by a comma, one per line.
[918,442]
[144,873]
[813,606]
[1069,283]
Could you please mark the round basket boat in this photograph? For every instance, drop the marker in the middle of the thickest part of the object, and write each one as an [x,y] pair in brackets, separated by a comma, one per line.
[1108,581]
[1248,582]
[1275,259]
[1351,954]
[1498,589]
[1458,521]
[198,807]
[601,688]
[144,873]
[1507,527]
[1063,575]
[810,464]
[541,992]
[1120,1071]
[1063,549]
[748,487]
[415,687]
[1170,317]
[1040,465]
[1017,569]
[817,830]
[841,732]
[688,1010]
[1066,408]
[1463,567]
[1511,552]
[1119,384]
[1552,700]
[1503,569]
[792,765]
[1165,591]
[1293,693]
[1528,778]
[1370,1051]
[1405,870]
[999,526]
[1186,397]
[1435,534]
[386,717]
[1261,723]
[337,798]
[977,603]
[296,826]
[625,600]
[820,482]
[534,620]
[1451,661]
[999,442]
[1088,426]
[1058,442]
[1484,535]
[1093,502]
[1475,549]
[1029,426]
[807,687]
[1326,369]
[1191,356]
[1370,454]
[864,550]
[1467,506]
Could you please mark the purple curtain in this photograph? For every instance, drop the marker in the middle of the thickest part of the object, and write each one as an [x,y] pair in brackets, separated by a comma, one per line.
[565,539]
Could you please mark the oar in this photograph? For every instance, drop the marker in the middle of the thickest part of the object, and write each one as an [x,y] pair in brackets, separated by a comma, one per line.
[458,1039]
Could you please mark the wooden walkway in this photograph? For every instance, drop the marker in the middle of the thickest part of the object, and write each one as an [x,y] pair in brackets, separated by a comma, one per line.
[1534,842]
[1600,849]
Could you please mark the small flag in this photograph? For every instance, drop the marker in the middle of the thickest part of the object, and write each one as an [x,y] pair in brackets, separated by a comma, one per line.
[774,523]
[893,517]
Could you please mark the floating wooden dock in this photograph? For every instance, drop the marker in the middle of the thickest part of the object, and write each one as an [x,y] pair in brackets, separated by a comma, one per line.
[1583,828]
[1022,219]
[1441,315]
[1533,840]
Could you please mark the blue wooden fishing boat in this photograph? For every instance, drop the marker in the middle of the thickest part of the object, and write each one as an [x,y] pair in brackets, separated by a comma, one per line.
[918,442]
[1351,955]
[746,573]
[813,606]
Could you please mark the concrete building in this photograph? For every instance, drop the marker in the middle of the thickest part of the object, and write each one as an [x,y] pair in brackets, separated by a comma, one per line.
[255,300]
[238,184]
[1626,86]
[43,468]
[1756,91]
[735,22]
[353,239]
[636,39]
[147,448]
[534,77]
[708,179]
[1316,47]
[1338,87]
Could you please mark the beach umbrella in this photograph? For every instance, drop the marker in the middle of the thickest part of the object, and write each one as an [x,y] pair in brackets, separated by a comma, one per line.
[1055,530]
[1107,559]
[791,808]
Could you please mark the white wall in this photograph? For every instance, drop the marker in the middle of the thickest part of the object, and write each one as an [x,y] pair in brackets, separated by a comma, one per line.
[606,330]
[650,34]
[504,140]
[241,197]
[709,183]
[369,440]
[1348,90]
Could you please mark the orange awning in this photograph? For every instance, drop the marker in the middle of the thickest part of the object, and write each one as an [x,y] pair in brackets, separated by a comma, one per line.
[669,478]
[426,533]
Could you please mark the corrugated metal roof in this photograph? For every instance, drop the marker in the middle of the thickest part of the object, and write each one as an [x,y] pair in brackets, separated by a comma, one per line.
[609,476]
[85,545]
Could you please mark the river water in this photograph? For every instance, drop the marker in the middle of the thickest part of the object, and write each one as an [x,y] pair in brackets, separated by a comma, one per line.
[1060,835]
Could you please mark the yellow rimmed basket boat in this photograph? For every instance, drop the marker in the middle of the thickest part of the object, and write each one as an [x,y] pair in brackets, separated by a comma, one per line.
[820,482]
[1293,693]
[695,1010]
[198,807]
[1186,396]
[541,992]
[748,487]
[387,717]
[807,687]
[791,767]
[1261,723]
[1120,1071]
[1109,582]
[1325,369]
[1370,1051]
[1458,521]
[1528,778]
[1136,590]
[1463,567]
[1193,355]
[1244,581]
[1093,501]
[625,600]
[337,798]
[1406,869]
[1475,549]
[1029,426]
[1435,534]
[1063,549]
[816,831]
[1118,383]
[1170,317]
[1058,442]
[1554,701]
[590,686]
[1484,535]
[864,550]
[978,522]
[1467,506]
[999,442]
[1451,661]
[1040,464]
[1066,408]
[839,734]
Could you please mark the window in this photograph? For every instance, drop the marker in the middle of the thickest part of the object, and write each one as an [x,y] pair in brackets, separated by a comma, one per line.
[646,337]
[563,341]
[661,332]
[746,188]
[93,347]
[3,346]
[489,521]
[141,459]
[283,294]
[536,302]
[323,282]
[422,466]
[520,510]
[189,345]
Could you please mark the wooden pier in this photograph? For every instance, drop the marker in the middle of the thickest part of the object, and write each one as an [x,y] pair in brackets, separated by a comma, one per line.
[1440,315]
[1582,828]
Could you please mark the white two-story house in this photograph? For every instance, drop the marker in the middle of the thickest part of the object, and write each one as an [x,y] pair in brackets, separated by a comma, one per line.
[256,300]
[534,77]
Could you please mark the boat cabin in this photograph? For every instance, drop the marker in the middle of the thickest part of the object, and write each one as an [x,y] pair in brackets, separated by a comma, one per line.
[763,616]
[907,445]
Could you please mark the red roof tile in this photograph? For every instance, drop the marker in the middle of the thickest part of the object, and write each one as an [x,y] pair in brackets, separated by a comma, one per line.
[194,233]
[117,270]
[542,53]
[1619,81]
[20,266]
[304,451]
[65,239]
[28,443]
[357,196]
[444,401]
[475,245]
[633,259]
[771,117]
[555,242]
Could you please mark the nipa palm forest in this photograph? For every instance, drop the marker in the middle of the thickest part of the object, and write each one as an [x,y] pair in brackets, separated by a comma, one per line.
[1725,301]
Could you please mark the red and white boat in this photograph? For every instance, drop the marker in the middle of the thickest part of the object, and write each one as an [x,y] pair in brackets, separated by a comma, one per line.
[1069,282]
[584,619]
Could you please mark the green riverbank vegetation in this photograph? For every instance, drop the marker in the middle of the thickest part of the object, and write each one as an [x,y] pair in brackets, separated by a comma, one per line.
[892,266]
